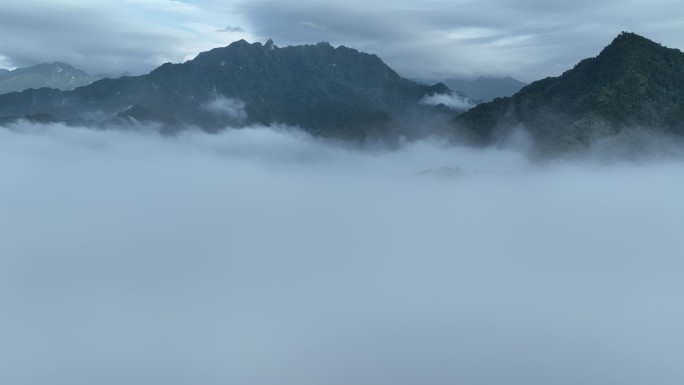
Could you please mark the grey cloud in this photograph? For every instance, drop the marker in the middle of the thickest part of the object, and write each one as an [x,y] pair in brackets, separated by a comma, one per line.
[415,40]
[231,29]
[265,256]
[531,39]
[64,37]
[311,24]
[95,36]
[432,40]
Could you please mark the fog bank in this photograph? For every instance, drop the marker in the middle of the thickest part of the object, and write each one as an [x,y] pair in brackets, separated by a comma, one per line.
[264,256]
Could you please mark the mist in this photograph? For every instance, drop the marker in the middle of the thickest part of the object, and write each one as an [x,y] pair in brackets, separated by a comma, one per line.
[265,256]
[453,101]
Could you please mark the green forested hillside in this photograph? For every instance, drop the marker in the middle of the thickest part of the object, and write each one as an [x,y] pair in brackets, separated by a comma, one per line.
[632,83]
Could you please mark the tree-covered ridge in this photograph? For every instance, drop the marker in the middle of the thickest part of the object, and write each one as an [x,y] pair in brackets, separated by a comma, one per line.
[633,82]
[329,91]
[315,86]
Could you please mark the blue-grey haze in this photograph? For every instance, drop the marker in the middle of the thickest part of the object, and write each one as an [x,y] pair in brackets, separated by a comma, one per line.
[263,256]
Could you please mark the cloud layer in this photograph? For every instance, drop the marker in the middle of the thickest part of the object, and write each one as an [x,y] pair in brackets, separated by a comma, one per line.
[263,256]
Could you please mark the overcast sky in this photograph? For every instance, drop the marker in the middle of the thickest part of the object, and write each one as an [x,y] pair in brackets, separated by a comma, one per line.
[528,39]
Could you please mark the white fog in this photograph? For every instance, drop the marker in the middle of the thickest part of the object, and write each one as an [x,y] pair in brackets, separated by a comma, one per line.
[265,257]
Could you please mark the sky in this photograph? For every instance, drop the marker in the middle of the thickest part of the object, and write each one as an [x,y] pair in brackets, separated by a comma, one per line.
[263,256]
[426,39]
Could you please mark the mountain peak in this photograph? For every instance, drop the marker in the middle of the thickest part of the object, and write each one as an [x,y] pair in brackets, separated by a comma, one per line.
[629,43]
[56,75]
[238,43]
[628,37]
[338,92]
[634,82]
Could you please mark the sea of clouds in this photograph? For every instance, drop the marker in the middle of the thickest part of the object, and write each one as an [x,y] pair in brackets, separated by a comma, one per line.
[264,256]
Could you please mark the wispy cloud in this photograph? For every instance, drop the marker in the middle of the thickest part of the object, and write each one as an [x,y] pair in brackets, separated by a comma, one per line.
[311,24]
[453,101]
[230,29]
[421,39]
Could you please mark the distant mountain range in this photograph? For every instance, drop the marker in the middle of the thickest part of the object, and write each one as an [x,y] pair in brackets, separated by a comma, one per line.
[52,75]
[338,92]
[485,89]
[633,83]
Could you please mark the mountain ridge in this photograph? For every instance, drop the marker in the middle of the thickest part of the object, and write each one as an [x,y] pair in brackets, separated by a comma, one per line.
[633,82]
[328,91]
[56,75]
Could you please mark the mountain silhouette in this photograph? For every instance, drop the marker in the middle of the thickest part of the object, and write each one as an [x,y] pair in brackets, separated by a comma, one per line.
[51,75]
[633,83]
[328,91]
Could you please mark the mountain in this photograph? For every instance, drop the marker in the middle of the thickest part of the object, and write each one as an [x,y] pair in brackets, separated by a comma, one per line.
[633,83]
[485,89]
[328,91]
[52,75]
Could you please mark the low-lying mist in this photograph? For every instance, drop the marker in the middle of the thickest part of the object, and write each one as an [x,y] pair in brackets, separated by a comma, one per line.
[264,256]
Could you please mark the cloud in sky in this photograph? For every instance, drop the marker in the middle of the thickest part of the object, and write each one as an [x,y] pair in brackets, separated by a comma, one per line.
[109,37]
[230,29]
[528,39]
[421,39]
[265,256]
